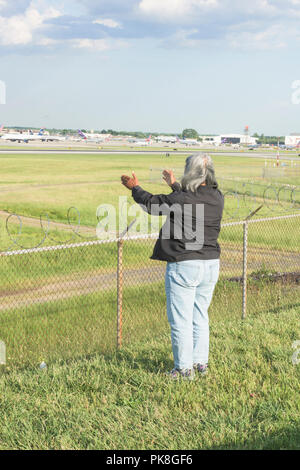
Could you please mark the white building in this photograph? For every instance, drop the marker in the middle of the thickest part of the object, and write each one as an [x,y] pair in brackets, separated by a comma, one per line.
[292,140]
[242,139]
[208,139]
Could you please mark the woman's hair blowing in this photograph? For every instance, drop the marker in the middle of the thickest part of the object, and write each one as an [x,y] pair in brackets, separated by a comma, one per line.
[198,169]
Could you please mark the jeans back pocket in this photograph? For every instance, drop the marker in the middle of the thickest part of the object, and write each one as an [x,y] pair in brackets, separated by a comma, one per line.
[214,269]
[188,273]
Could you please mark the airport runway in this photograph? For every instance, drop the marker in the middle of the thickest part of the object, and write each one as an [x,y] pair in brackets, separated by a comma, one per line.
[149,152]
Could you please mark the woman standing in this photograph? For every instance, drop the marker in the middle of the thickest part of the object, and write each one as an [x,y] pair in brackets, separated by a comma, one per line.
[192,268]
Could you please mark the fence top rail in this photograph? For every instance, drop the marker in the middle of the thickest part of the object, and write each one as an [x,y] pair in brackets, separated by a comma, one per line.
[76,245]
[128,238]
[279,217]
[263,219]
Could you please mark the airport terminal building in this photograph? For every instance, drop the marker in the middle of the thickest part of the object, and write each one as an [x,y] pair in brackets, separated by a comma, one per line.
[292,140]
[242,139]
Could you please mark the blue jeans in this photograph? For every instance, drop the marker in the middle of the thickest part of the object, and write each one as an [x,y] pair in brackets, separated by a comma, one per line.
[189,289]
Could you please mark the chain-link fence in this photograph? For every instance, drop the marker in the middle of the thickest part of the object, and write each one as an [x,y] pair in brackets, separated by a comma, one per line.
[273,264]
[243,195]
[70,300]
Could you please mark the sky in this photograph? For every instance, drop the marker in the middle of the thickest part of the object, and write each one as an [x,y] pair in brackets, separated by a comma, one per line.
[151,65]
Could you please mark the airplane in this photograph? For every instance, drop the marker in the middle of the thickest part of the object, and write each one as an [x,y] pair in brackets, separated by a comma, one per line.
[30,136]
[53,138]
[292,147]
[224,141]
[187,141]
[167,139]
[47,138]
[23,137]
[92,137]
[143,143]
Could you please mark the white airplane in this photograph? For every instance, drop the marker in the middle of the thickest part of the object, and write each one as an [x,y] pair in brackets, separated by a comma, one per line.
[30,136]
[53,138]
[143,143]
[22,136]
[187,141]
[93,138]
[293,147]
[168,139]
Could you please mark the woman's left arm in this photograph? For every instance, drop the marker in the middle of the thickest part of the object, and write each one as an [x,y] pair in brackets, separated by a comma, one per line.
[159,202]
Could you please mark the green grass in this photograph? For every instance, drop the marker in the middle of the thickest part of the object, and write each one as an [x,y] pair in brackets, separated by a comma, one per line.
[49,185]
[274,242]
[249,400]
[70,323]
[63,303]
[48,180]
[52,297]
[61,307]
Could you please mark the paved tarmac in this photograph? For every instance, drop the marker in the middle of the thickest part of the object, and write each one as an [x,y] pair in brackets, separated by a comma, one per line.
[149,152]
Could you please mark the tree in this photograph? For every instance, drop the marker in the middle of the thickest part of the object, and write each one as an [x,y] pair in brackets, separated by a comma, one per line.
[190,134]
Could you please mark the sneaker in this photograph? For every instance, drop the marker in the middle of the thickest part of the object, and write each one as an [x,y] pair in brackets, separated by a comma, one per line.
[201,368]
[186,374]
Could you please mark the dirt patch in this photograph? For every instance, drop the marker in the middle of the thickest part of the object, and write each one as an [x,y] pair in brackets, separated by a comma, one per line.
[284,278]
[85,283]
[59,287]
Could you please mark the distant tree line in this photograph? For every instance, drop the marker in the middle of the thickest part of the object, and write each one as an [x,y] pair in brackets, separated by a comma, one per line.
[268,139]
[185,134]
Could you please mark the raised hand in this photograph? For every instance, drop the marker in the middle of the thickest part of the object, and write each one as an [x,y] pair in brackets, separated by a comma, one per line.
[129,182]
[169,177]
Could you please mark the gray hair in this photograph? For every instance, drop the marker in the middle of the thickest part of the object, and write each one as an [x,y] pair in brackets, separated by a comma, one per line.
[198,169]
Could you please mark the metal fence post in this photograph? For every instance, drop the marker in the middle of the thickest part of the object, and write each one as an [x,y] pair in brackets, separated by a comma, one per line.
[120,284]
[120,293]
[245,246]
[245,259]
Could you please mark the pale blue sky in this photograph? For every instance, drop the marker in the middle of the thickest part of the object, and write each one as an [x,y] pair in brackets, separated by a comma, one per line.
[157,65]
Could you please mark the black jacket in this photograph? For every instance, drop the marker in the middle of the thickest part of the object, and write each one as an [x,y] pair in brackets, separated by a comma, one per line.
[174,249]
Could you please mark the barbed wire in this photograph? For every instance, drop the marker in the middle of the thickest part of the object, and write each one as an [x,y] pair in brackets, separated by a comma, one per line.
[275,198]
[284,198]
[45,226]
[247,194]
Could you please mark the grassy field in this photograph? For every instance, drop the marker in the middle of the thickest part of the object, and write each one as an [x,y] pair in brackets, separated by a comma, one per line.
[249,400]
[48,185]
[74,318]
[60,307]
[63,300]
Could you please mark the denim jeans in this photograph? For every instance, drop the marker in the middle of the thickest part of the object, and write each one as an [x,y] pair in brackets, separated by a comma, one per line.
[189,289]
